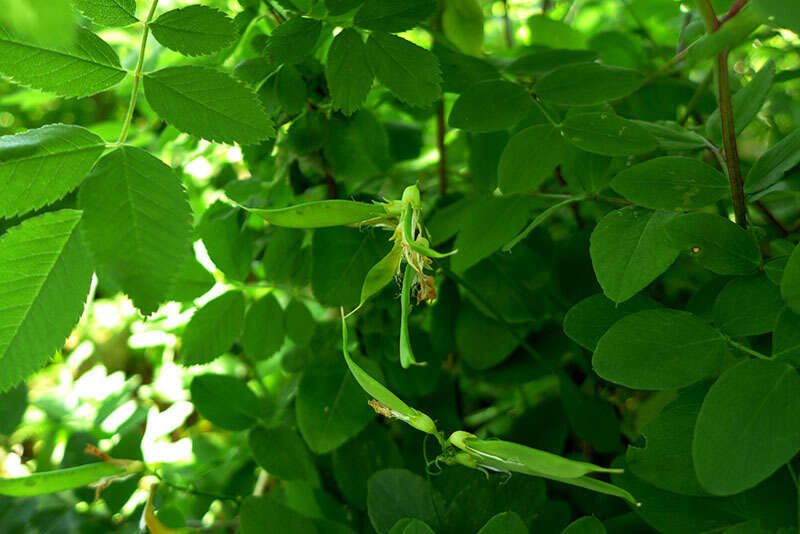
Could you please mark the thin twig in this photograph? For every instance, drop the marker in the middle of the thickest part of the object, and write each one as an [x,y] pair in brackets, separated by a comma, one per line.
[771,218]
[697,97]
[725,101]
[734,10]
[441,129]
[507,24]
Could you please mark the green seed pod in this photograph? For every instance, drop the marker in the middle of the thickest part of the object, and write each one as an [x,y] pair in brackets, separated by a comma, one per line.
[67,479]
[326,213]
[504,456]
[406,354]
[386,403]
[521,459]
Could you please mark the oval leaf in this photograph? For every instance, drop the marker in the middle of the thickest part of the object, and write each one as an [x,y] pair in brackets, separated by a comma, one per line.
[658,349]
[747,428]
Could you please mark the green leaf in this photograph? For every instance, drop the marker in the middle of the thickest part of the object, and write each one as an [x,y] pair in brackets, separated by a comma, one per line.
[281,452]
[666,459]
[730,35]
[194,30]
[213,329]
[331,406]
[50,22]
[228,241]
[748,306]
[340,260]
[587,84]
[746,103]
[490,106]
[672,183]
[108,12]
[293,40]
[40,166]
[786,338]
[44,281]
[551,33]
[410,72]
[505,523]
[777,160]
[258,513]
[483,342]
[394,494]
[347,71]
[225,401]
[716,243]
[658,349]
[543,61]
[585,525]
[607,134]
[530,157]
[393,16]
[462,24]
[355,462]
[491,224]
[673,137]
[207,103]
[13,404]
[263,328]
[300,324]
[790,283]
[747,428]
[340,7]
[290,89]
[358,147]
[411,526]
[191,281]
[308,132]
[630,249]
[592,418]
[382,273]
[460,71]
[587,321]
[85,67]
[137,224]
[780,13]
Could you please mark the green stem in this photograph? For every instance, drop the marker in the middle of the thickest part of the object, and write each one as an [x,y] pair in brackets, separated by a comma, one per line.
[137,75]
[746,349]
[545,112]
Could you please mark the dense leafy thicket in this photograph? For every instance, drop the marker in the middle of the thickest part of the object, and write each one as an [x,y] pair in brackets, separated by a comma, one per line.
[399,266]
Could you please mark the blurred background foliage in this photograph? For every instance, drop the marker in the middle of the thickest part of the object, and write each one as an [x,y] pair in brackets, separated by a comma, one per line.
[116,382]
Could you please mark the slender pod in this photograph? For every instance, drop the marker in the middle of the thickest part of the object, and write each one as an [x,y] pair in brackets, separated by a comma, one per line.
[386,402]
[504,456]
[515,457]
[67,479]
[381,273]
[326,213]
[406,354]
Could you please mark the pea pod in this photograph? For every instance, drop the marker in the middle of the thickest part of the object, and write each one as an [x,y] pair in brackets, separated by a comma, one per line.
[381,273]
[522,459]
[504,456]
[406,354]
[67,479]
[394,407]
[325,213]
